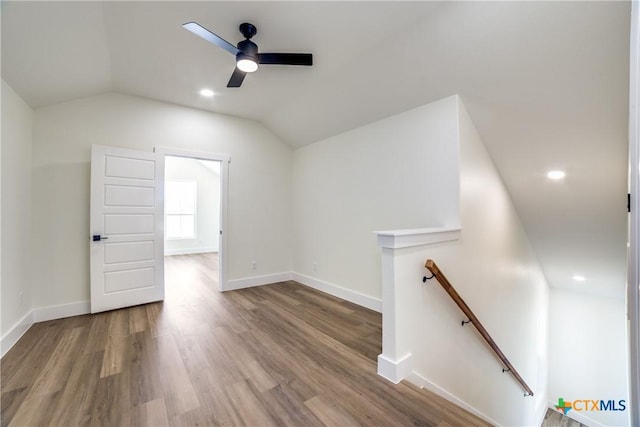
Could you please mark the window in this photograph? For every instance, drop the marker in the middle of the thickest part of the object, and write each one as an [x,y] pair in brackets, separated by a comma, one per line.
[180,209]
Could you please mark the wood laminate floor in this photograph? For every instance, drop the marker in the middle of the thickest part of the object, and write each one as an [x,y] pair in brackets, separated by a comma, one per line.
[277,355]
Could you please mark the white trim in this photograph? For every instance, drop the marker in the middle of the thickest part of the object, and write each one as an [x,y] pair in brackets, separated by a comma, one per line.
[396,239]
[633,274]
[224,160]
[188,251]
[42,314]
[61,311]
[191,154]
[395,370]
[363,300]
[422,382]
[15,333]
[578,416]
[250,282]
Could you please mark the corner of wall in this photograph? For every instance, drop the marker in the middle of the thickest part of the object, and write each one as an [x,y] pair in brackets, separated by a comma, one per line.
[15,332]
[15,211]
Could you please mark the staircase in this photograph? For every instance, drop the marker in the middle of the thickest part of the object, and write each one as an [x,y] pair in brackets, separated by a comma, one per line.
[557,419]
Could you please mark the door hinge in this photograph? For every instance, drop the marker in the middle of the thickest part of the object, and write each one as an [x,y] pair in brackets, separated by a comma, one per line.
[629,202]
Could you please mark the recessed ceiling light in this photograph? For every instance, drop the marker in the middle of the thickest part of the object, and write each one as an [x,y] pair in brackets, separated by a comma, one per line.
[556,174]
[579,278]
[206,93]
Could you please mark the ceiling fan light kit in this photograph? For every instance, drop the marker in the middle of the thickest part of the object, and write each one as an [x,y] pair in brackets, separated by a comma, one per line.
[247,53]
[246,63]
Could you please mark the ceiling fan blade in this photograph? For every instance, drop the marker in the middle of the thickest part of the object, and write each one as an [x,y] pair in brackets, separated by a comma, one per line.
[200,31]
[236,78]
[286,58]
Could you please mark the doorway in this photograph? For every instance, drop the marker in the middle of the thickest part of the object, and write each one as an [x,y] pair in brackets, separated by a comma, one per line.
[195,189]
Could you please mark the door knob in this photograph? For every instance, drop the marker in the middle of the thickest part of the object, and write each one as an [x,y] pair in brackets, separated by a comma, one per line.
[97,238]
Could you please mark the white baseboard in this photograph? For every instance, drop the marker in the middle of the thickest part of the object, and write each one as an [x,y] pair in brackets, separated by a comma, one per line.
[422,382]
[395,370]
[61,311]
[188,251]
[363,300]
[41,314]
[250,282]
[579,417]
[15,333]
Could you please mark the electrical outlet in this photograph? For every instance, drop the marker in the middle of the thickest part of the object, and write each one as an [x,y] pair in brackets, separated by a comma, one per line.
[21,298]
[315,266]
[254,265]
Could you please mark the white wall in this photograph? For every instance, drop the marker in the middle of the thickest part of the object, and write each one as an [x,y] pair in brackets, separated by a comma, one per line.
[588,353]
[207,181]
[379,176]
[259,211]
[17,120]
[494,269]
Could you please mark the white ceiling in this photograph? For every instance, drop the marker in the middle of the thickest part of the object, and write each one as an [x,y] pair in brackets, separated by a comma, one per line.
[546,84]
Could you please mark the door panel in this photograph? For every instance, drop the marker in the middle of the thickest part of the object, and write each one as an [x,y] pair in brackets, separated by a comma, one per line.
[127,204]
[128,252]
[124,280]
[126,167]
[120,195]
[135,224]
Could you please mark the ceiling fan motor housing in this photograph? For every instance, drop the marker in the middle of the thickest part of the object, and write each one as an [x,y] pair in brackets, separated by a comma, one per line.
[248,50]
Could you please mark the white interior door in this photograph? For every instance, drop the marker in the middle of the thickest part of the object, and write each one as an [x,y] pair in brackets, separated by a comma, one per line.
[126,226]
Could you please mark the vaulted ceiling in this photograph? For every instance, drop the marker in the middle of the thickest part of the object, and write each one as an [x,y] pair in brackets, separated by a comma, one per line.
[546,84]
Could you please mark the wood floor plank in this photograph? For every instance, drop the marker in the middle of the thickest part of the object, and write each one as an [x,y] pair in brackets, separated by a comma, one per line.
[32,353]
[115,356]
[119,323]
[156,413]
[98,333]
[138,319]
[158,324]
[56,372]
[255,373]
[252,411]
[35,410]
[330,413]
[179,394]
[242,300]
[276,355]
[144,370]
[10,403]
[284,405]
[111,403]
[321,300]
[79,391]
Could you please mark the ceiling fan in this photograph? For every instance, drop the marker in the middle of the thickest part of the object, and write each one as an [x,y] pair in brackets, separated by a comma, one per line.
[247,55]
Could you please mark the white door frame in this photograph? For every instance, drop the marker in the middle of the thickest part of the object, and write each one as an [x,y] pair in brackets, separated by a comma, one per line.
[633,277]
[224,160]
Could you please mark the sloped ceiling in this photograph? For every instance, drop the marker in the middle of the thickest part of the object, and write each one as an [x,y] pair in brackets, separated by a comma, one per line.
[546,84]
